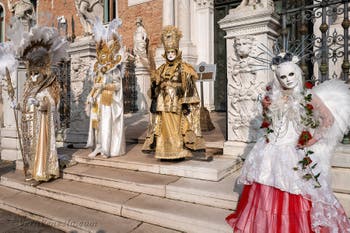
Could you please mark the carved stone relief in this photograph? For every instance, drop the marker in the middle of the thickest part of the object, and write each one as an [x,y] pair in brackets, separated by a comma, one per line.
[81,82]
[244,87]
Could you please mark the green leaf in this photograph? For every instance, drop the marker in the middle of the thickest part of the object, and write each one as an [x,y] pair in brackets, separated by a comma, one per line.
[313,166]
[307,176]
[317,175]
[295,168]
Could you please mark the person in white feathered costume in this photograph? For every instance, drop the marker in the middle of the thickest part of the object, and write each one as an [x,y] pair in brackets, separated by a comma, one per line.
[286,175]
[105,100]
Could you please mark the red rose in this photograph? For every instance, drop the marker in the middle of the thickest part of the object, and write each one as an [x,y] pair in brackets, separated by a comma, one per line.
[266,102]
[265,124]
[309,107]
[268,88]
[305,136]
[308,85]
[307,160]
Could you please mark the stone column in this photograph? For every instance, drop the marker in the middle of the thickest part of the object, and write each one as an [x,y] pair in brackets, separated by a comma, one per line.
[168,19]
[168,12]
[189,53]
[82,53]
[247,27]
[205,44]
[10,149]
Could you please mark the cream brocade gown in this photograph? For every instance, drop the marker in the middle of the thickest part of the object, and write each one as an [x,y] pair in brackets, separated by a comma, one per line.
[39,140]
[107,117]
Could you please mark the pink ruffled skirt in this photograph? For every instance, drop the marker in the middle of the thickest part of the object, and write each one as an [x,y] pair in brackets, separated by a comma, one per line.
[265,209]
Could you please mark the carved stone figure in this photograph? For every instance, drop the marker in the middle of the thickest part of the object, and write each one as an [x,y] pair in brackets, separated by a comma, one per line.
[88,11]
[24,11]
[140,44]
[243,91]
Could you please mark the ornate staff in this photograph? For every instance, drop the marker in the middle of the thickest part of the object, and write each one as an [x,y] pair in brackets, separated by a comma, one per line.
[11,93]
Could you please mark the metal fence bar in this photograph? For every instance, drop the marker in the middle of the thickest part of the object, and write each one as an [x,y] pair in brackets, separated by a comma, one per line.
[284,31]
[324,48]
[345,24]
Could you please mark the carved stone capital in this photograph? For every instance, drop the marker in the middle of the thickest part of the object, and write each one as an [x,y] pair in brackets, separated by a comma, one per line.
[202,4]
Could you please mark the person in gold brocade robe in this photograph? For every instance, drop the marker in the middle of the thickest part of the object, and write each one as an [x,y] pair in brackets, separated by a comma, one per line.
[174,130]
[40,101]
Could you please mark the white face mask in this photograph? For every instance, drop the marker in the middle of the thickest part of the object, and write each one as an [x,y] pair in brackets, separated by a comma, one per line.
[286,75]
[171,54]
[35,77]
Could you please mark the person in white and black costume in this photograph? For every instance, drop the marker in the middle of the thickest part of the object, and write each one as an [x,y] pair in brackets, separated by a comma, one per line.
[286,175]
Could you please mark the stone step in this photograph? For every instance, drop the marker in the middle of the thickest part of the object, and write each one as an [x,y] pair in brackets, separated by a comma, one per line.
[97,197]
[341,159]
[340,179]
[62,215]
[136,181]
[182,216]
[214,170]
[173,214]
[217,194]
[344,199]
[222,194]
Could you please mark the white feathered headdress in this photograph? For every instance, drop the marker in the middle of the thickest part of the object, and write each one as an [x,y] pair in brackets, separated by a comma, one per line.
[40,46]
[110,52]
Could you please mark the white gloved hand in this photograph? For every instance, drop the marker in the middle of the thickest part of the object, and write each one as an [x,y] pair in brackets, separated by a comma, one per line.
[90,100]
[33,101]
[13,104]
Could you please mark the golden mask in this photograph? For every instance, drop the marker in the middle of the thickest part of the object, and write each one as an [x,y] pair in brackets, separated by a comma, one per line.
[107,54]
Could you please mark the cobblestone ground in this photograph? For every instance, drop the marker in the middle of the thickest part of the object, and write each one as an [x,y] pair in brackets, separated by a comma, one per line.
[12,223]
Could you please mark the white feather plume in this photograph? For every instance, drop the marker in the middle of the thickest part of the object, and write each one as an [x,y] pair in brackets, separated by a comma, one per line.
[7,58]
[22,40]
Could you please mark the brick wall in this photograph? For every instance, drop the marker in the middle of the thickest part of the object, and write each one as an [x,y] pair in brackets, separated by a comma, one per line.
[150,11]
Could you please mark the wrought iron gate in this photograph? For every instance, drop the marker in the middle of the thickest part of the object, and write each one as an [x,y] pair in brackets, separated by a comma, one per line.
[318,31]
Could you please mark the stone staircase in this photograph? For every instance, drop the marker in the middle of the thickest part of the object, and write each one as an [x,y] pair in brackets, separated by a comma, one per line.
[137,193]
[132,193]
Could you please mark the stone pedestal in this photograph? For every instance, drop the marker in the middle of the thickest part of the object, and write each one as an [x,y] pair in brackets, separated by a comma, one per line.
[143,85]
[82,53]
[247,28]
[10,149]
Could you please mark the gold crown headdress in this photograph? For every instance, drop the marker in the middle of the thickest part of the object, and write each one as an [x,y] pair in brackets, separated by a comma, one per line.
[108,45]
[171,37]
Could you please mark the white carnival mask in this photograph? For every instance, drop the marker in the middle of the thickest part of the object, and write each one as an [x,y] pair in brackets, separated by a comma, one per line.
[171,54]
[286,75]
[35,77]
